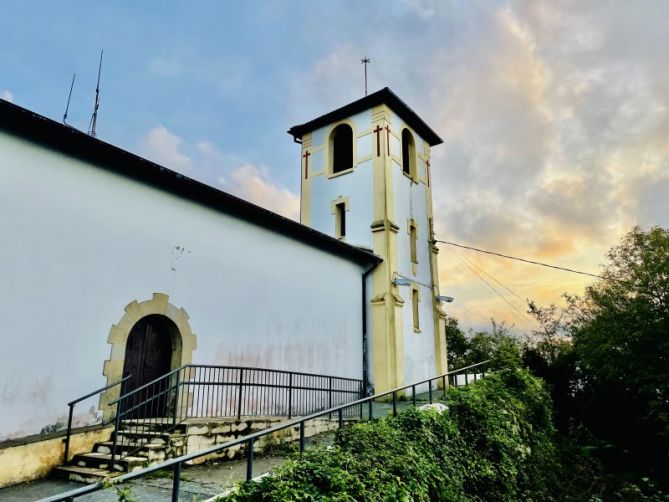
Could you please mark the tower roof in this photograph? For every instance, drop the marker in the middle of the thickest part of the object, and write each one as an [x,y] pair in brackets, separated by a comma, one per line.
[384,96]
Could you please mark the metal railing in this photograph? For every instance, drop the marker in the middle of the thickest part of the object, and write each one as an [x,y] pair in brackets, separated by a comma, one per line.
[161,406]
[72,404]
[339,411]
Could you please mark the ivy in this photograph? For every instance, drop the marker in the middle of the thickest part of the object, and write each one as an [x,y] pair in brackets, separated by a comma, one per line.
[496,442]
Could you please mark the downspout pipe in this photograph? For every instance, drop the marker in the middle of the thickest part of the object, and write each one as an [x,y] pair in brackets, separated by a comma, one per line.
[366,387]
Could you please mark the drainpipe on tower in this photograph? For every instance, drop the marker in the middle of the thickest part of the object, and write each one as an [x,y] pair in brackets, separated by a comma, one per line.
[366,387]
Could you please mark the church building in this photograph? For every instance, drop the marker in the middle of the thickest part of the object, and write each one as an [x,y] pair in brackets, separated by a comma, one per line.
[109,262]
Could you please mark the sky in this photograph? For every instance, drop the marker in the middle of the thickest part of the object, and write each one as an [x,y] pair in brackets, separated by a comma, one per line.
[555,114]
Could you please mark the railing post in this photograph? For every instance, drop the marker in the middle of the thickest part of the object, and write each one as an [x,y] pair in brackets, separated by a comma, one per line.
[302,440]
[249,459]
[329,396]
[175,482]
[239,398]
[394,403]
[290,395]
[176,401]
[369,405]
[69,431]
[413,395]
[466,377]
[117,423]
[341,418]
[429,390]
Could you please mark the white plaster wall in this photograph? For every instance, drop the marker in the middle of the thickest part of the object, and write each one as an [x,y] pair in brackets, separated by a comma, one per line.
[78,243]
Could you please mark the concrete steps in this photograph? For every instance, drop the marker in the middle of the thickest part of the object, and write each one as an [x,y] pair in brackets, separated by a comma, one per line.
[139,444]
[144,443]
[84,474]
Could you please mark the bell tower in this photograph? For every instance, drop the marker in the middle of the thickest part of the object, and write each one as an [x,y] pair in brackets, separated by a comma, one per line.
[366,180]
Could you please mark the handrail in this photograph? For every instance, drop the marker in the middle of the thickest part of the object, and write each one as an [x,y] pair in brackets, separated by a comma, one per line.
[101,389]
[71,405]
[222,391]
[250,368]
[146,385]
[286,372]
[250,439]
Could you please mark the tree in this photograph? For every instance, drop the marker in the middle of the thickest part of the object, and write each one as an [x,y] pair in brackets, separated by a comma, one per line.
[456,343]
[498,346]
[620,333]
[550,354]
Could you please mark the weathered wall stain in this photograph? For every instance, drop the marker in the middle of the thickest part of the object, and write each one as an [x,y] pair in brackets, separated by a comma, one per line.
[40,390]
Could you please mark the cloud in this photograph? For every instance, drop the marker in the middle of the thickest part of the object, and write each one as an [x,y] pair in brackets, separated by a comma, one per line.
[7,96]
[255,185]
[204,161]
[556,118]
[164,147]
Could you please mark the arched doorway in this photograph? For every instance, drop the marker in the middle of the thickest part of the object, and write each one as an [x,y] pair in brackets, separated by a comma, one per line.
[149,354]
[183,338]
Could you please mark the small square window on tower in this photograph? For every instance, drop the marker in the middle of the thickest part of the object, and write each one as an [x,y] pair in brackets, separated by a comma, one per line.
[414,304]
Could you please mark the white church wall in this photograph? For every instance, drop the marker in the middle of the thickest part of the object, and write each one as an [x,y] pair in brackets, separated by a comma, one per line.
[79,243]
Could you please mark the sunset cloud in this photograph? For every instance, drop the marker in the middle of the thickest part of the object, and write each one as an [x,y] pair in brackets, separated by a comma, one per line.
[164,147]
[204,161]
[556,121]
[256,185]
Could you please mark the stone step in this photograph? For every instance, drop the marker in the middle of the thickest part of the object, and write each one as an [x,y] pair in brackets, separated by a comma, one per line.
[103,461]
[159,438]
[153,452]
[123,446]
[85,475]
[153,426]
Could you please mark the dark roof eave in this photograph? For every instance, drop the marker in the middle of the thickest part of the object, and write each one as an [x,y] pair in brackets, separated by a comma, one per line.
[70,141]
[384,96]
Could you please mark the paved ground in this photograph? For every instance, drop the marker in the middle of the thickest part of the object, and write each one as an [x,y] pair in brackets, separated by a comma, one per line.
[198,483]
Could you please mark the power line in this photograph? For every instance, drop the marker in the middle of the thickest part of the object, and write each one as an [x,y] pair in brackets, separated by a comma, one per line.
[494,253]
[494,290]
[473,264]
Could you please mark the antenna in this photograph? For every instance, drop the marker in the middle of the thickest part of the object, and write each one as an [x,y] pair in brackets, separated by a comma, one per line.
[74,75]
[94,118]
[365,61]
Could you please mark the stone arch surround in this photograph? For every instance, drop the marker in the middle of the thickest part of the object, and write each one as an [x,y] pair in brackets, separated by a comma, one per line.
[182,351]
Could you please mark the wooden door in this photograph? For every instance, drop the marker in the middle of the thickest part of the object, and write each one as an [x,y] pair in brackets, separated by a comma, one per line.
[148,356]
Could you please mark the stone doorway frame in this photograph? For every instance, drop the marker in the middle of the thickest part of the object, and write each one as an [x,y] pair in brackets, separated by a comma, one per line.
[182,349]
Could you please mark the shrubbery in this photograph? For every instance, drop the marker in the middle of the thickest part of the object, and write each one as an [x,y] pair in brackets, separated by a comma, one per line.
[496,442]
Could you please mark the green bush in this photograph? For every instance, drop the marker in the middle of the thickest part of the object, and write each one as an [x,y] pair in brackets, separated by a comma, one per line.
[496,442]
